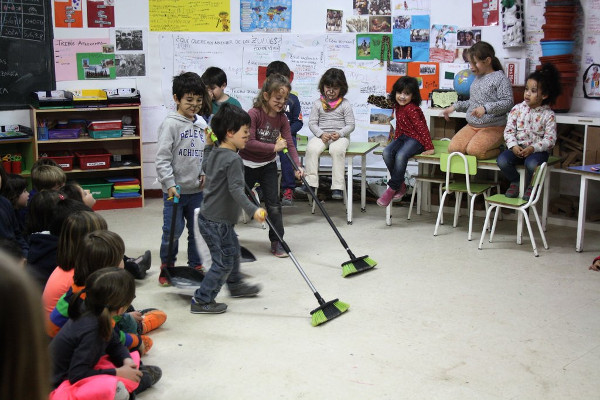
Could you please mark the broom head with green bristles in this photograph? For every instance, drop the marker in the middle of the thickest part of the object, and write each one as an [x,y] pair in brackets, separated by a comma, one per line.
[357,265]
[328,311]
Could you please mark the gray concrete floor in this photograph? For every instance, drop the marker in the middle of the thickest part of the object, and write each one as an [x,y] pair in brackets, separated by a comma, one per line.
[436,319]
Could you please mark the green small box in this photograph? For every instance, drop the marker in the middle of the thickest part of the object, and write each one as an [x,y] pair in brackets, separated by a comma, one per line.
[99,188]
[113,133]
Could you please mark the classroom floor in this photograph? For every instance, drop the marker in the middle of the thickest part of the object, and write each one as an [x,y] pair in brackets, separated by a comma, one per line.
[436,319]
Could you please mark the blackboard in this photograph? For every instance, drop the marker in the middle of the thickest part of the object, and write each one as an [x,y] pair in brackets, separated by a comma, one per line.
[26,54]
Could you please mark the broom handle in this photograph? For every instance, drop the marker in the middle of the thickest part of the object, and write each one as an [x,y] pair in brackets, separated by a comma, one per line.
[316,199]
[173,224]
[289,251]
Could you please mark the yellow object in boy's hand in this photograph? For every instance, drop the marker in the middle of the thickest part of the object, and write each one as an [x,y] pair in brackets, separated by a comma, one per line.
[260,215]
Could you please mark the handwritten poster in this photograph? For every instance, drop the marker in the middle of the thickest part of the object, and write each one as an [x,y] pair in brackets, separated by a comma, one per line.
[189,15]
[308,56]
[100,13]
[265,15]
[65,55]
[68,14]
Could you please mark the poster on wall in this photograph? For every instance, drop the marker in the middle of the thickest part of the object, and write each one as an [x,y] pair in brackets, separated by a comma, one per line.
[485,12]
[189,15]
[371,47]
[426,73]
[465,38]
[266,15]
[442,41]
[95,66]
[65,55]
[101,13]
[68,14]
[411,42]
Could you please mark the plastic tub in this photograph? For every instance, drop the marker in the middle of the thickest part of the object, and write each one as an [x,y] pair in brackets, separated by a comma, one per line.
[99,188]
[93,159]
[64,159]
[556,47]
[67,133]
[105,134]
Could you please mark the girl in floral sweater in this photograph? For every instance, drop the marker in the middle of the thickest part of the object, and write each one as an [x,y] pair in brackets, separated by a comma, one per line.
[530,132]
[411,135]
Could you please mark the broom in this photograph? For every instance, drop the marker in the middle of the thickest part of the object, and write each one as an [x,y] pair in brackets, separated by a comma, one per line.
[356,264]
[326,310]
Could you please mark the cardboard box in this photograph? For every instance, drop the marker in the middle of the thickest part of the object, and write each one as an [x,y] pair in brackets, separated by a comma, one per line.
[592,147]
[516,69]
[446,129]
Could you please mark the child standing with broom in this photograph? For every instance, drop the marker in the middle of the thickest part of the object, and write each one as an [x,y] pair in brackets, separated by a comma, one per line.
[224,197]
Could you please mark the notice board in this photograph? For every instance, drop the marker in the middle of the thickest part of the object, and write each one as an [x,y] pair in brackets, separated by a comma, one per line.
[26,62]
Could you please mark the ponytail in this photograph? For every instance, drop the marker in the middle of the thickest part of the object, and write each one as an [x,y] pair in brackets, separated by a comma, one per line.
[483,50]
[105,324]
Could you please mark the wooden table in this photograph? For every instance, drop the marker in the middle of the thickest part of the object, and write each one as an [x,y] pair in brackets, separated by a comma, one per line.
[586,174]
[360,149]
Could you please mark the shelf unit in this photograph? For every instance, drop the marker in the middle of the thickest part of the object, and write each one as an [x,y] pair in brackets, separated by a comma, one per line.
[125,146]
[24,146]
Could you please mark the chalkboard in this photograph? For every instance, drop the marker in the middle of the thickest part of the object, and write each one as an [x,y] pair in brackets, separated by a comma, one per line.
[26,55]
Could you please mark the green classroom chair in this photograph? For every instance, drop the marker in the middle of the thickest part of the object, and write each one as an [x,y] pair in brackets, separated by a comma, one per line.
[499,201]
[459,164]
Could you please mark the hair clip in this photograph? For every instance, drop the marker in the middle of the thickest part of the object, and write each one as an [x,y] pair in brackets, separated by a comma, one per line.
[61,196]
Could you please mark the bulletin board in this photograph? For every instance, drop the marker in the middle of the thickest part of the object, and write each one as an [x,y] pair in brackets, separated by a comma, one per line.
[308,56]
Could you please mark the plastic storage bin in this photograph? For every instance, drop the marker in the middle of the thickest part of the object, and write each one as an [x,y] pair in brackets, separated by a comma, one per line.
[93,159]
[89,98]
[67,133]
[556,47]
[52,99]
[102,134]
[99,188]
[64,159]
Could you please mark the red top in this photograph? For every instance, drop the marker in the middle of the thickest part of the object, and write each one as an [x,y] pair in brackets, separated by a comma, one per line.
[411,122]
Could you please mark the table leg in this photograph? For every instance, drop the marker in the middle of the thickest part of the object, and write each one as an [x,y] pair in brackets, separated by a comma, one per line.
[581,217]
[349,192]
[363,184]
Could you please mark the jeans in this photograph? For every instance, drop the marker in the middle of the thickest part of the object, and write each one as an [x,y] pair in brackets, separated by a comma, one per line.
[266,176]
[288,179]
[185,217]
[396,156]
[224,247]
[507,162]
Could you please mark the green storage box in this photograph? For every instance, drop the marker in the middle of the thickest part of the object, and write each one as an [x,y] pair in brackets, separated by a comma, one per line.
[99,188]
[113,133]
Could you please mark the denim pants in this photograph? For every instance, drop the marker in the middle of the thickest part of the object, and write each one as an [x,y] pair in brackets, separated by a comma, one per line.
[396,156]
[288,178]
[507,162]
[185,218]
[266,176]
[224,247]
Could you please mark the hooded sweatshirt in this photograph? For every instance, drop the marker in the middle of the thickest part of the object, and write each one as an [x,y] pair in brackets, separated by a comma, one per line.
[180,151]
[41,259]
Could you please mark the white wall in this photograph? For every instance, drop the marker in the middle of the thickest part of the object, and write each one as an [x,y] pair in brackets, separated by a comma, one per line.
[308,17]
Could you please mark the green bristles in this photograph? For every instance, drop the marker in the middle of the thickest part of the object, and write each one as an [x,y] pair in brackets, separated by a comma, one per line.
[328,311]
[357,265]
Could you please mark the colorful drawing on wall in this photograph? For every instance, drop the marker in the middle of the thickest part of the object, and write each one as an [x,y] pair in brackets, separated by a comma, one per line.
[95,66]
[265,15]
[334,20]
[410,7]
[485,12]
[442,43]
[591,82]
[189,15]
[411,43]
[100,13]
[68,14]
[369,47]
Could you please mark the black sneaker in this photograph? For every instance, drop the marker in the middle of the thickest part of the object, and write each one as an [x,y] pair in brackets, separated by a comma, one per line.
[242,289]
[207,308]
[150,375]
[303,190]
[337,194]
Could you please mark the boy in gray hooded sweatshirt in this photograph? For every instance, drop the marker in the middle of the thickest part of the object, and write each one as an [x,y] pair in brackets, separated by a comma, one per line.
[179,156]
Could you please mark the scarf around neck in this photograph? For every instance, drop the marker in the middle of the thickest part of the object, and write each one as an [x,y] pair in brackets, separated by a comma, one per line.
[330,105]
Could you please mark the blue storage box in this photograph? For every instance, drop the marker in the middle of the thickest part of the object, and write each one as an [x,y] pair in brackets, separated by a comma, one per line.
[556,47]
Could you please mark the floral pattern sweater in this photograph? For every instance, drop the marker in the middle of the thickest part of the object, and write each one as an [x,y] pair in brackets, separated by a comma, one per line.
[528,126]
